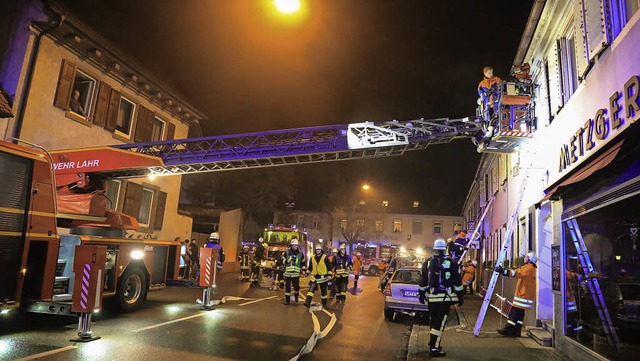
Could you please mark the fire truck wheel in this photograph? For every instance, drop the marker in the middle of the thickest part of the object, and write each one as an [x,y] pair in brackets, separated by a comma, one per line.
[131,290]
[373,271]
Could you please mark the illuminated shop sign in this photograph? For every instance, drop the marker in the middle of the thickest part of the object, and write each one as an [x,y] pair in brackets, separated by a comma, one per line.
[622,111]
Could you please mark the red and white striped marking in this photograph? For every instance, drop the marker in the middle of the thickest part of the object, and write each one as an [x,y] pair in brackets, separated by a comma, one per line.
[84,294]
[207,272]
[515,133]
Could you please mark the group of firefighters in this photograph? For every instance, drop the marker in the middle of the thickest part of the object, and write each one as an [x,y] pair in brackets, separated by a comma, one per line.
[442,286]
[328,273]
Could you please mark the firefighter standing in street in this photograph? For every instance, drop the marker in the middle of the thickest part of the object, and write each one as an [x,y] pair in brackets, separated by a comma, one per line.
[278,281]
[293,266]
[319,268]
[342,265]
[357,270]
[245,264]
[441,286]
[258,256]
[332,282]
[214,242]
[524,295]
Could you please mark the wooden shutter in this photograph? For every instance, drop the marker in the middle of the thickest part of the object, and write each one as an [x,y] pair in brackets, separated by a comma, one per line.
[132,199]
[144,125]
[594,18]
[582,62]
[65,85]
[112,111]
[102,105]
[555,91]
[171,131]
[159,216]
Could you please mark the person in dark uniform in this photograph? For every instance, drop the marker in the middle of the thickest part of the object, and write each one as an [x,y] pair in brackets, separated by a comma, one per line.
[441,286]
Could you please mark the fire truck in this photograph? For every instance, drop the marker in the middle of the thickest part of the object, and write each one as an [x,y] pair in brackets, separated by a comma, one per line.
[40,190]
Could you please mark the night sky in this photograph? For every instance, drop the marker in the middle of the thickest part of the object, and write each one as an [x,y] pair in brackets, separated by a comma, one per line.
[249,69]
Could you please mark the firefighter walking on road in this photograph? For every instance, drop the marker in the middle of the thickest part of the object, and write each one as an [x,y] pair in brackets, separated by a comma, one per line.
[357,270]
[244,258]
[319,268]
[524,296]
[342,265]
[332,282]
[293,266]
[441,286]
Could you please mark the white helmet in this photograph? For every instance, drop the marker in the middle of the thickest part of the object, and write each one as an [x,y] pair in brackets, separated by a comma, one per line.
[358,254]
[474,263]
[260,240]
[334,250]
[439,245]
[245,247]
[294,242]
[318,247]
[532,257]
[343,246]
[215,236]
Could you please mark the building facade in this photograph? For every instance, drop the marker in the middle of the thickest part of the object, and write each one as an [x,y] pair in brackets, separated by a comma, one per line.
[381,229]
[572,191]
[71,89]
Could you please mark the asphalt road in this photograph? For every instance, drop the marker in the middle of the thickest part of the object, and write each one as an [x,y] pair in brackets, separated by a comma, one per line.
[170,326]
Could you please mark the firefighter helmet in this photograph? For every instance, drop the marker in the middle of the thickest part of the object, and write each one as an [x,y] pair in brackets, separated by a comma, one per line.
[214,235]
[245,247]
[343,246]
[474,263]
[294,242]
[532,257]
[318,247]
[439,245]
[335,250]
[265,245]
[260,240]
[358,254]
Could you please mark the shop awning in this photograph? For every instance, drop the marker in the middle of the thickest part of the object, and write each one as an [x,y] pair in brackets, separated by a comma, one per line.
[587,170]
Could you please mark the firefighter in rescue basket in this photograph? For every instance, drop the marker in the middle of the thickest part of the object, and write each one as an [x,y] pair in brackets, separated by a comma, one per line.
[441,286]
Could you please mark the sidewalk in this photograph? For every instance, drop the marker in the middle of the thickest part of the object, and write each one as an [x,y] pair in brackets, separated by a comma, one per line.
[460,344]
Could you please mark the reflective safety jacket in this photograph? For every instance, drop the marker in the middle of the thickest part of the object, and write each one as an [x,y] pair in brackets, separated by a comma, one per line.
[319,267]
[293,263]
[486,84]
[526,286]
[245,260]
[357,266]
[342,265]
[469,275]
[441,278]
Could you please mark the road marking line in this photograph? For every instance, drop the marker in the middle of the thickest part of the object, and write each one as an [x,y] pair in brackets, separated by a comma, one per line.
[48,353]
[258,300]
[170,322]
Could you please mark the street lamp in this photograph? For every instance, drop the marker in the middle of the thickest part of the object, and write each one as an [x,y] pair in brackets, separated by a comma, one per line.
[287,6]
[365,187]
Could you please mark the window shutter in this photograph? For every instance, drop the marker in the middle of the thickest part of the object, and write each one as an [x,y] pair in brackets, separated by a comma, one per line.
[171,131]
[65,85]
[132,199]
[555,93]
[159,216]
[594,19]
[542,106]
[143,125]
[582,62]
[112,112]
[102,105]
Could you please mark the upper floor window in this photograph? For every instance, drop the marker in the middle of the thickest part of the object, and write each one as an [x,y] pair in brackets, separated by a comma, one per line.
[343,224]
[157,129]
[139,202]
[417,226]
[360,223]
[621,12]
[397,226]
[144,217]
[379,225]
[568,70]
[416,204]
[437,227]
[316,221]
[113,193]
[300,220]
[125,116]
[82,94]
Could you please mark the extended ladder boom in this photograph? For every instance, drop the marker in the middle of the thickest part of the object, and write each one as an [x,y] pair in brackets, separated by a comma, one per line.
[296,146]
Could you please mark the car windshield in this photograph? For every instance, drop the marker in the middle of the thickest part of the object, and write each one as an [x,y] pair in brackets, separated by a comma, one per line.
[407,276]
[630,292]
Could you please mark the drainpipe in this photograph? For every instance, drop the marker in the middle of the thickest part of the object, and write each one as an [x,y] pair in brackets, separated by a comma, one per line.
[55,20]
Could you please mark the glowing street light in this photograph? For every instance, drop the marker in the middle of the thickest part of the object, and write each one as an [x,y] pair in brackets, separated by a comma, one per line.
[366,187]
[287,6]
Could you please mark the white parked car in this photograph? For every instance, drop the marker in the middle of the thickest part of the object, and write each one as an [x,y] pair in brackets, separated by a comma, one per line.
[401,292]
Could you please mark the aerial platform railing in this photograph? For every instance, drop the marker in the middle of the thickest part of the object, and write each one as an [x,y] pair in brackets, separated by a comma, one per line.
[296,146]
